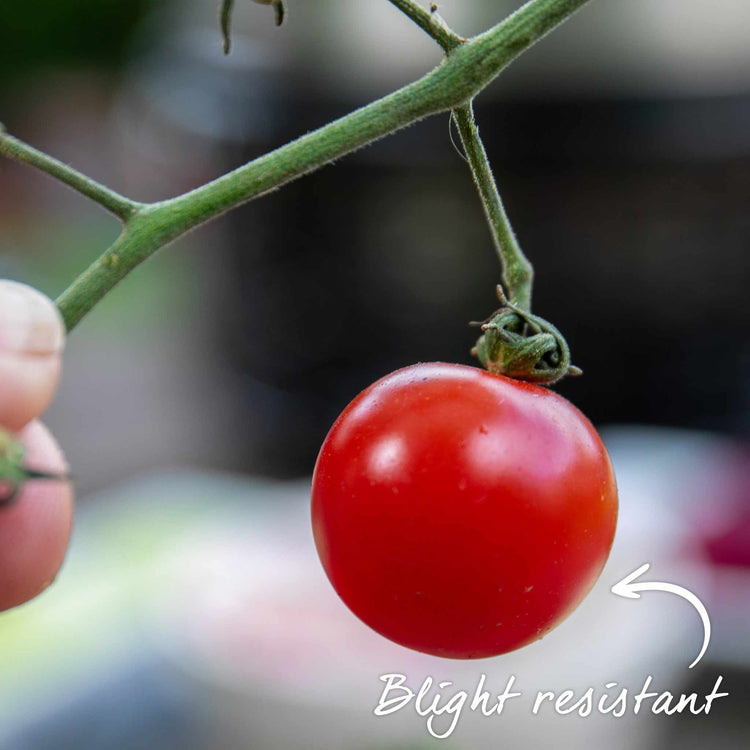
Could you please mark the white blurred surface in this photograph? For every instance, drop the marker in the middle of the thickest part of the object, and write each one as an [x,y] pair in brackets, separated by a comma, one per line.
[215,582]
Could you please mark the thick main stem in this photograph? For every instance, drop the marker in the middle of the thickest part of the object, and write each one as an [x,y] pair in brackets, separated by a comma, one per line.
[517,272]
[467,70]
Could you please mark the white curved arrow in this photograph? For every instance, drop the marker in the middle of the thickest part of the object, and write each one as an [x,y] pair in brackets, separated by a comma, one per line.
[627,588]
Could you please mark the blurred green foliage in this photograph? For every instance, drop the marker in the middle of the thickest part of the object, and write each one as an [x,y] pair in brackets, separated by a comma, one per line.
[65,32]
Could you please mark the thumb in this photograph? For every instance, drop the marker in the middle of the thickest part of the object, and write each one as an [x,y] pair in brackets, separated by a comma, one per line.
[32,337]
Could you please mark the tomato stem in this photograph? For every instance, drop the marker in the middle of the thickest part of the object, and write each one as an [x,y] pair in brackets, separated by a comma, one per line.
[113,202]
[469,67]
[431,22]
[517,271]
[514,342]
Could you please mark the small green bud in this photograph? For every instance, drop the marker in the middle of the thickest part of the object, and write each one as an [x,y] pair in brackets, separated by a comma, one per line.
[13,472]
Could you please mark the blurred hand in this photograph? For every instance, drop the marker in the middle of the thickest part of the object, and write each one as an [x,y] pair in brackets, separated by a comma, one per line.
[35,527]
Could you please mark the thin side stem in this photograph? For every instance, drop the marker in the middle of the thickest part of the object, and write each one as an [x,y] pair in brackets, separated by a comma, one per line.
[121,207]
[225,22]
[461,75]
[430,22]
[517,272]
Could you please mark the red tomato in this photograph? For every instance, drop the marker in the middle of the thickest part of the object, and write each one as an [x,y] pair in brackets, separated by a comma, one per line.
[461,513]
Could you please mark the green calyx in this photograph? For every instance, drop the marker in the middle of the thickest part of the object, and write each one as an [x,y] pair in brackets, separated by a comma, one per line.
[13,472]
[523,346]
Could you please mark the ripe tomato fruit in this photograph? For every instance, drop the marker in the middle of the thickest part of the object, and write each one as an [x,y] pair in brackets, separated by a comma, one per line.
[461,513]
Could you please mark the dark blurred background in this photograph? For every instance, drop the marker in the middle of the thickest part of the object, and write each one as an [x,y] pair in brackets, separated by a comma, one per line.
[621,146]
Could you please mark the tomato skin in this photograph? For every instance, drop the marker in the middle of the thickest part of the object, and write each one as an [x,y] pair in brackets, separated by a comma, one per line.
[461,513]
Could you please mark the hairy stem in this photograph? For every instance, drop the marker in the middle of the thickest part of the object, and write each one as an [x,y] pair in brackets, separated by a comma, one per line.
[121,207]
[430,22]
[517,273]
[463,73]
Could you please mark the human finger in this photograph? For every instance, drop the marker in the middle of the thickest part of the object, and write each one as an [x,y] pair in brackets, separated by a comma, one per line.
[32,337]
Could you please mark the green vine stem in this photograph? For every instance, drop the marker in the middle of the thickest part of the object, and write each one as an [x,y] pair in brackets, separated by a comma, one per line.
[514,342]
[430,22]
[116,204]
[517,273]
[462,74]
